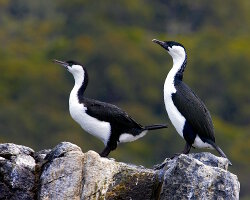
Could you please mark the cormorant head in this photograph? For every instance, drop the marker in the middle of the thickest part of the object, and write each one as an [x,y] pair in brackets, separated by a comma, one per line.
[175,49]
[76,69]
[73,67]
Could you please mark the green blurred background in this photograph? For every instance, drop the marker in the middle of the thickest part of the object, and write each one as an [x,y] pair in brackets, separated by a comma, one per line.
[113,39]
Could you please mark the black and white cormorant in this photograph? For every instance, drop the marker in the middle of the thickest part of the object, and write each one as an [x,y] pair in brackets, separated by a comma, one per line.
[103,120]
[186,111]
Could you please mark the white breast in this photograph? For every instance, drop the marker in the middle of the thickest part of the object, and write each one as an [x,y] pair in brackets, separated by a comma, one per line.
[174,115]
[90,124]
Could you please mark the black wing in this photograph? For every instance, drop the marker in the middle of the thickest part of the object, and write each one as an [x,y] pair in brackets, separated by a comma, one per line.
[194,110]
[110,113]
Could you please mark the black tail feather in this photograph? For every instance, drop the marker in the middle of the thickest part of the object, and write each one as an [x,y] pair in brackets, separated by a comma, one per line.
[218,149]
[155,126]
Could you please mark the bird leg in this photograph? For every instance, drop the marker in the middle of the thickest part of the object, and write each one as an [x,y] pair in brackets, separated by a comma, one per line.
[111,146]
[105,152]
[186,150]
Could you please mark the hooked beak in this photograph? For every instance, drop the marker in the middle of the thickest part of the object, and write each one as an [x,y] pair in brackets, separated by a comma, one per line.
[163,44]
[64,64]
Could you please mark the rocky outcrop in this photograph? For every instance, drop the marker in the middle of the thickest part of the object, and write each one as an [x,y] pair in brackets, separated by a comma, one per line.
[66,173]
[199,176]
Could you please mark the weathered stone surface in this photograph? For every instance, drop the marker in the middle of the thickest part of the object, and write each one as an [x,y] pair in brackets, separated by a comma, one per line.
[17,169]
[66,173]
[10,149]
[198,179]
[210,160]
[61,176]
[40,155]
[107,179]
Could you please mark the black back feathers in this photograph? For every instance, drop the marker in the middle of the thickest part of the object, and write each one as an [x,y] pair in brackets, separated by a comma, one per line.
[194,111]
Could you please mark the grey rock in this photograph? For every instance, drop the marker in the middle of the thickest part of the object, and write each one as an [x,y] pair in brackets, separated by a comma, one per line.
[40,155]
[66,173]
[107,179]
[186,177]
[10,149]
[62,174]
[17,169]
[61,150]
[210,160]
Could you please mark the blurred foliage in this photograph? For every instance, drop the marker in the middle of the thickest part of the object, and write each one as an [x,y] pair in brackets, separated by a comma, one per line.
[113,39]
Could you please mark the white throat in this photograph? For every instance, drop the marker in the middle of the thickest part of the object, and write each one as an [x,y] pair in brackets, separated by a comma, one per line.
[74,92]
[78,76]
[178,55]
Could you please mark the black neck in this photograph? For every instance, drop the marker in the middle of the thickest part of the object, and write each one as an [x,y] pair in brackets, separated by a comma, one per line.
[179,74]
[83,86]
